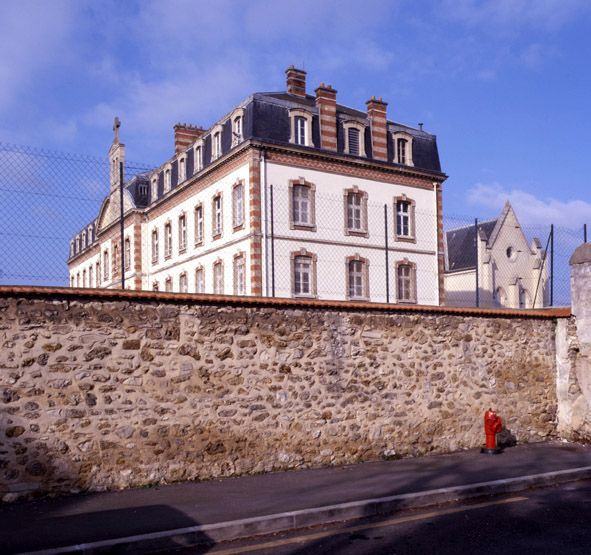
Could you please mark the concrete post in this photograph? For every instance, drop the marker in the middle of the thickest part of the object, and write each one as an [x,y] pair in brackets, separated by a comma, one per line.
[573,352]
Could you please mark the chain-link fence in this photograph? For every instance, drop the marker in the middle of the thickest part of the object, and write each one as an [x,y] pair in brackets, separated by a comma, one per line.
[60,225]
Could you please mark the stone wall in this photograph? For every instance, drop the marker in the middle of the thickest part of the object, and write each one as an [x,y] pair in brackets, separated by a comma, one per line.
[107,392]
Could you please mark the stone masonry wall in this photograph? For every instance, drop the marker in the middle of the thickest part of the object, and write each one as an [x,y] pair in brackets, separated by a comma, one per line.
[103,394]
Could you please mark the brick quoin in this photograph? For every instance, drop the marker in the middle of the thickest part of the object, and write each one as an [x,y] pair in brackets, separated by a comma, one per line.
[256,274]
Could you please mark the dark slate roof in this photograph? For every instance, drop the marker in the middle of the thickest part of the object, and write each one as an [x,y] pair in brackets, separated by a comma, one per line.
[461,245]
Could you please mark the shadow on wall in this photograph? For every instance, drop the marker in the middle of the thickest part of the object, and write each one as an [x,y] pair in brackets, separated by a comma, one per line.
[66,522]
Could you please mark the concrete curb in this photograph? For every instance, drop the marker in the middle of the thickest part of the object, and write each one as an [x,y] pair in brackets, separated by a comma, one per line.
[282,522]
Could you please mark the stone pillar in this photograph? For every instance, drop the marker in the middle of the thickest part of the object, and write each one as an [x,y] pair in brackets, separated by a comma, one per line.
[573,352]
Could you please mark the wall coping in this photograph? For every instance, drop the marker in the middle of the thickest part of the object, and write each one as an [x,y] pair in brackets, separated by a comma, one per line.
[74,294]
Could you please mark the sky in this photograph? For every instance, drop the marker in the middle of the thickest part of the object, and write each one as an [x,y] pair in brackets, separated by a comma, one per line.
[503,84]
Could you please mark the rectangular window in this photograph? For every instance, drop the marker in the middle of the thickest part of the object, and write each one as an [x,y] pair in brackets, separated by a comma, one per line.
[78,279]
[302,268]
[167,241]
[239,276]
[90,277]
[98,273]
[183,283]
[168,285]
[127,254]
[356,279]
[116,260]
[301,205]
[354,212]
[182,233]
[405,283]
[403,214]
[401,150]
[199,225]
[155,286]
[353,138]
[154,246]
[199,280]
[216,145]
[198,158]
[217,216]
[182,172]
[238,205]
[106,265]
[237,131]
[218,278]
[83,278]
[300,130]
[167,181]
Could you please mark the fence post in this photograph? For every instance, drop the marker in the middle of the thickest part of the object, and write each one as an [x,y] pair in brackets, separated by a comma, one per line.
[122,226]
[272,242]
[551,264]
[386,249]
[477,274]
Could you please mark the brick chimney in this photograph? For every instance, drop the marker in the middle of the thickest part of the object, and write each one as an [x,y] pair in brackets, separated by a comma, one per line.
[184,135]
[376,113]
[296,81]
[326,102]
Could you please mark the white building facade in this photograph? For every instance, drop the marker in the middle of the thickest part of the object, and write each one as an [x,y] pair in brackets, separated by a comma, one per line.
[289,195]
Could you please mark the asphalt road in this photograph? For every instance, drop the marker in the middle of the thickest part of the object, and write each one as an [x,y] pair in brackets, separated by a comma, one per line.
[545,521]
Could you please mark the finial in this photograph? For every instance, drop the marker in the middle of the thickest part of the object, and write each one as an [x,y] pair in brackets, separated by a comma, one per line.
[116,126]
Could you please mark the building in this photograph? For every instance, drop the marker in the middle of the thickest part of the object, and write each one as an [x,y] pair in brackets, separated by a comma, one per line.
[511,272]
[288,194]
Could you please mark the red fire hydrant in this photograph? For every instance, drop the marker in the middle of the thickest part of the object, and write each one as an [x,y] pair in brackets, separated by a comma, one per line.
[492,426]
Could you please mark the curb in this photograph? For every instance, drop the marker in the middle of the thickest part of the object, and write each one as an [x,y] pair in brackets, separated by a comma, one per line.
[292,520]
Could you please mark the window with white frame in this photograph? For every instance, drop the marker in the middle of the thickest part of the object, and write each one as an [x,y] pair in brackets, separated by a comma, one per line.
[182,233]
[167,240]
[116,260]
[198,224]
[406,282]
[182,169]
[405,219]
[403,148]
[301,127]
[303,274]
[302,205]
[98,273]
[155,246]
[71,249]
[238,205]
[155,286]
[84,239]
[239,275]
[216,144]
[77,244]
[154,186]
[217,216]
[199,280]
[236,130]
[357,278]
[198,157]
[354,133]
[167,180]
[84,278]
[218,278]
[78,280]
[183,283]
[355,212]
[168,284]
[72,281]
[127,253]
[90,277]
[106,265]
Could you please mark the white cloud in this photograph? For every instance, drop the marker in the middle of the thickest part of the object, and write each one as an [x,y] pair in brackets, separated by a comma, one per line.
[532,210]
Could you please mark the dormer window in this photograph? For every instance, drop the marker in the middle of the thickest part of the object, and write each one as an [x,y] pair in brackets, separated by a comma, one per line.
[403,149]
[216,142]
[154,188]
[301,127]
[354,138]
[84,239]
[198,157]
[182,170]
[237,130]
[167,180]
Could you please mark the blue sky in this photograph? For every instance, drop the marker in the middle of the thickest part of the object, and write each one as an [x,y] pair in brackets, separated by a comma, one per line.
[503,84]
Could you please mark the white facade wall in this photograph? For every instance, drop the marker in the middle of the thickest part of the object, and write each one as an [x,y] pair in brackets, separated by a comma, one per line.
[332,246]
[225,248]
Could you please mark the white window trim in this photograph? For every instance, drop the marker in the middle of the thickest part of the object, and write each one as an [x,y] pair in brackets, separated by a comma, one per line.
[218,264]
[181,177]
[155,246]
[182,236]
[296,112]
[214,151]
[238,215]
[199,237]
[198,156]
[361,128]
[238,113]
[402,135]
[167,172]
[154,185]
[239,285]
